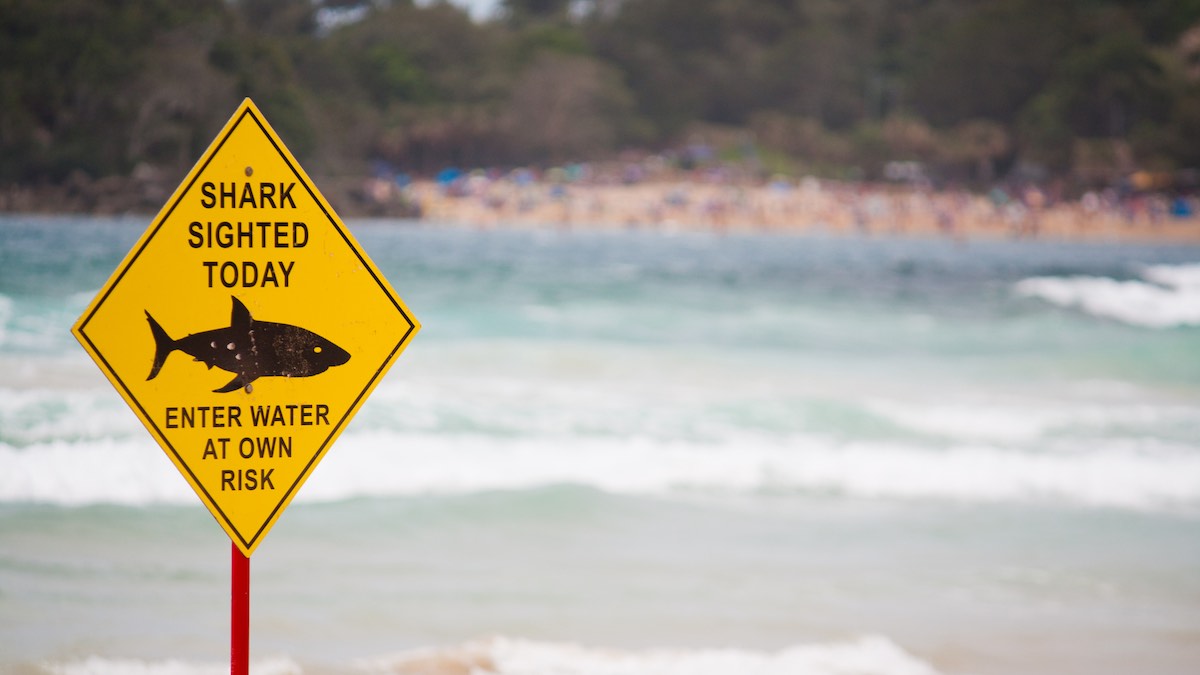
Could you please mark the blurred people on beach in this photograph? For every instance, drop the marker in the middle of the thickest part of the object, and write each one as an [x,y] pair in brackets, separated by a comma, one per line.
[654,193]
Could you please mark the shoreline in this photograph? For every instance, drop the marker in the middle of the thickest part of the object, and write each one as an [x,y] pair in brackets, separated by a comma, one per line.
[809,206]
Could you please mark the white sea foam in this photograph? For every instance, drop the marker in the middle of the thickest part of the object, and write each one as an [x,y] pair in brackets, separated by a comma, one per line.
[43,415]
[1116,473]
[1174,276]
[505,656]
[1028,421]
[1120,473]
[96,665]
[131,472]
[970,421]
[1169,297]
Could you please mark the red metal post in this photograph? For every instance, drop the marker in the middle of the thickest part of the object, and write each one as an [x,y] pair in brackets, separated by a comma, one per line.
[239,622]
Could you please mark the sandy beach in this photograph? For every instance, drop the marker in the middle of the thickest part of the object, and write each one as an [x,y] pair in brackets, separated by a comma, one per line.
[712,201]
[808,205]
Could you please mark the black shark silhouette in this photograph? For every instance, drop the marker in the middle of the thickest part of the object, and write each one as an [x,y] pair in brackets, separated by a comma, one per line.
[251,349]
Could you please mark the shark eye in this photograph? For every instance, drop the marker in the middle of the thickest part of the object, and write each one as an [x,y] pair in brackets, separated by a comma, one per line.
[316,350]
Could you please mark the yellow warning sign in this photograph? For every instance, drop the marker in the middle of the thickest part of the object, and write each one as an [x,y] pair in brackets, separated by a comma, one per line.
[246,327]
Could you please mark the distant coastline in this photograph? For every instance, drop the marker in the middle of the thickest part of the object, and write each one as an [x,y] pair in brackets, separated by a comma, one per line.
[812,205]
[691,203]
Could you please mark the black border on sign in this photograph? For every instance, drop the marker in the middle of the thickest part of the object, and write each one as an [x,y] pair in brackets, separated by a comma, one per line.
[336,428]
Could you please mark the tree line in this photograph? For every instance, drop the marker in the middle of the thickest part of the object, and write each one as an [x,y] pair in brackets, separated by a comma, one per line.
[972,90]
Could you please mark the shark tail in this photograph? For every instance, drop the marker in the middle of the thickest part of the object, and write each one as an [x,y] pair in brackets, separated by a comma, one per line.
[163,346]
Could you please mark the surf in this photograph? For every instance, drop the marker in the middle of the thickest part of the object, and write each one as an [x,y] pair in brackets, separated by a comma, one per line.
[1167,296]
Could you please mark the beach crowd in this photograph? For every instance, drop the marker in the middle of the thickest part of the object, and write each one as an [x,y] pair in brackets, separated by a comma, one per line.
[723,200]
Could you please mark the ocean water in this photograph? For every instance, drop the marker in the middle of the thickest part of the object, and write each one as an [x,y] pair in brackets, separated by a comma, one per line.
[628,453]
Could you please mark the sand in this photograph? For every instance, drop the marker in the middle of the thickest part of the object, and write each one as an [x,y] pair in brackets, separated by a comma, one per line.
[808,206]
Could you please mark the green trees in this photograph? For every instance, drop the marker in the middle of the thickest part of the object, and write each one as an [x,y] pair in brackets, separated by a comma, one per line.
[969,87]
[69,74]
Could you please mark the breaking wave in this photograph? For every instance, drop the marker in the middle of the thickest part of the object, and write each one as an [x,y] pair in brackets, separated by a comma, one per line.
[508,656]
[1168,296]
[1121,473]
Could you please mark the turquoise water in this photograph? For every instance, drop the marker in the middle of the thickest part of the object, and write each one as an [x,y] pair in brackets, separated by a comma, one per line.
[634,452]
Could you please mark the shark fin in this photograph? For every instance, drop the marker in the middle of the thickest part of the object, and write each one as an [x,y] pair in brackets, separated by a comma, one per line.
[163,345]
[240,320]
[235,384]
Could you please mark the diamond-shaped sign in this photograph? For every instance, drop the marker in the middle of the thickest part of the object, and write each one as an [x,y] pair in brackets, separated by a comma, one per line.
[246,327]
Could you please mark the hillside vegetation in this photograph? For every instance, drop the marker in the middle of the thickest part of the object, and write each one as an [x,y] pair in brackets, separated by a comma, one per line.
[973,90]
